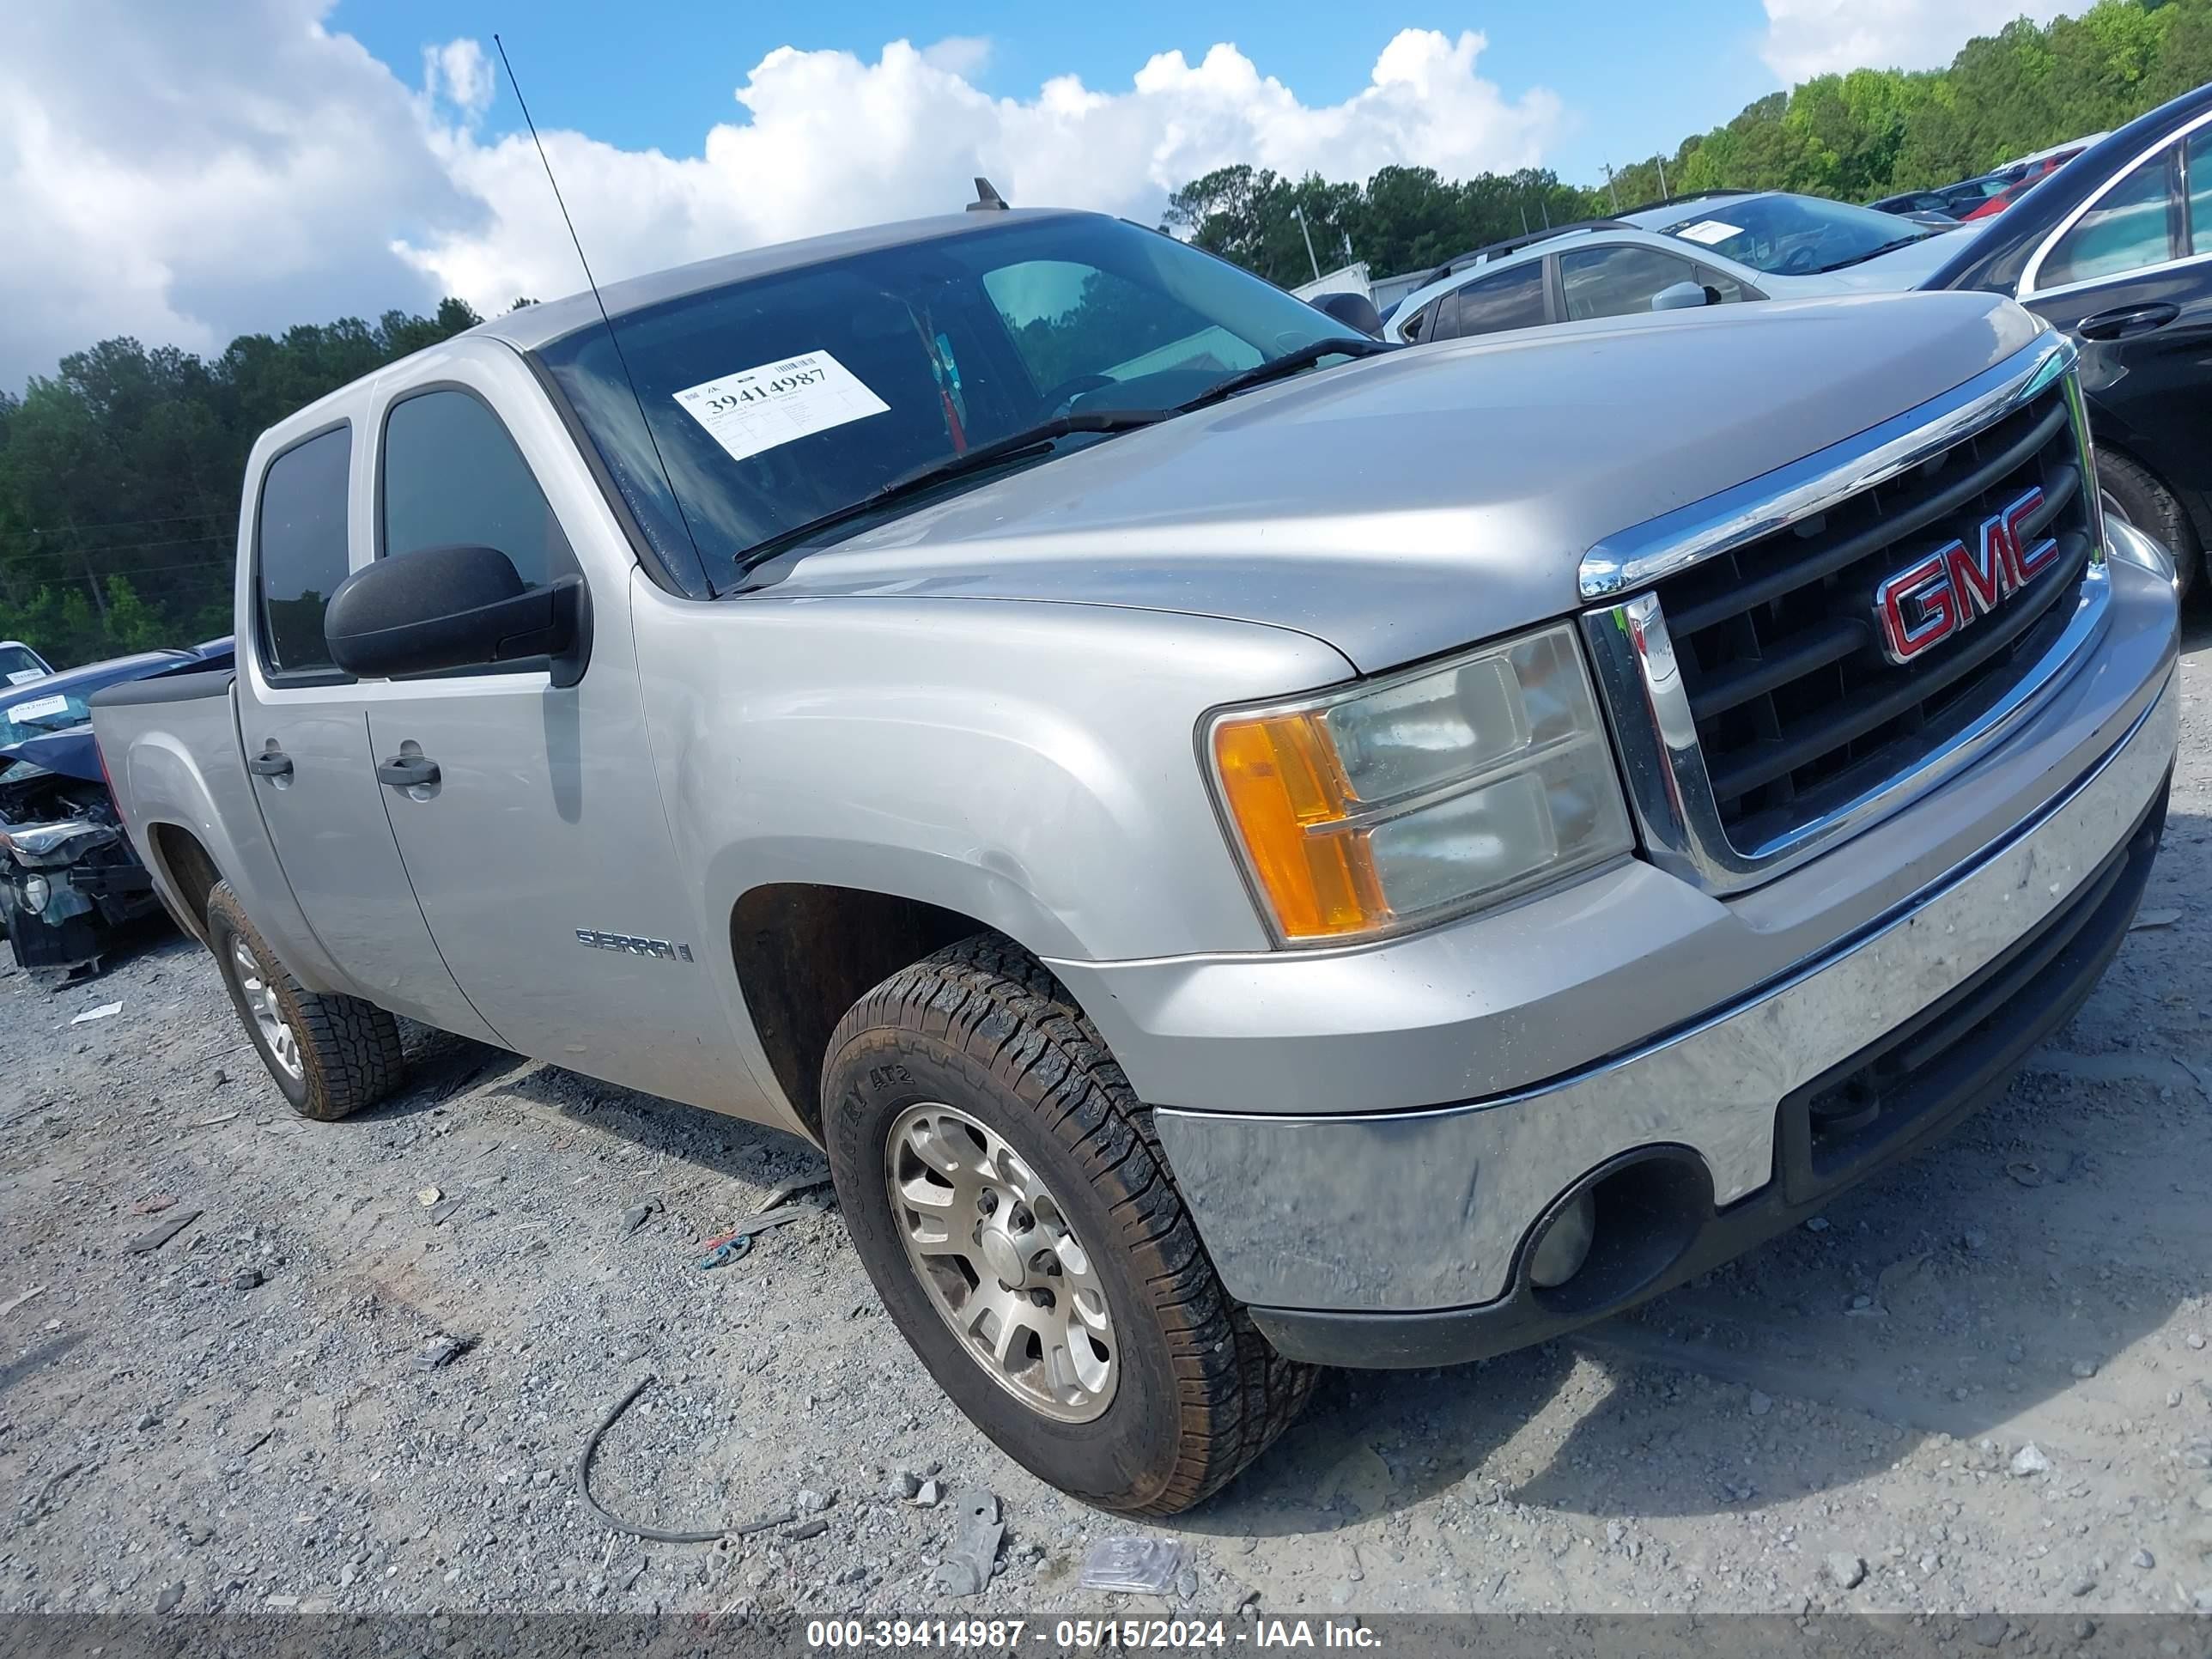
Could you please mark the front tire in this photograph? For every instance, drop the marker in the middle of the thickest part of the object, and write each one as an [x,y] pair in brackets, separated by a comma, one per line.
[2151,508]
[330,1055]
[1006,1194]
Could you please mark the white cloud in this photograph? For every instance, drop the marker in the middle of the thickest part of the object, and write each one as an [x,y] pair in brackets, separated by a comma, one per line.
[459,74]
[1805,38]
[967,55]
[187,173]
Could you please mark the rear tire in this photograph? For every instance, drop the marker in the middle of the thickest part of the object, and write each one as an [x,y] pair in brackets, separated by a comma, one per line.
[2151,508]
[330,1055]
[1019,1098]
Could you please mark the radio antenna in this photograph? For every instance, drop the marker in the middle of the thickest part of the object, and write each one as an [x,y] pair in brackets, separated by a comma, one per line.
[592,281]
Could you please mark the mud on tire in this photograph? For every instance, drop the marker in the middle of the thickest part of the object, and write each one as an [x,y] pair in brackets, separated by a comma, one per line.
[982,1027]
[349,1049]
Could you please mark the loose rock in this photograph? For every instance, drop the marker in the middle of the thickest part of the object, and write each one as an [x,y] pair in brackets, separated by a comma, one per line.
[1846,1571]
[2029,1460]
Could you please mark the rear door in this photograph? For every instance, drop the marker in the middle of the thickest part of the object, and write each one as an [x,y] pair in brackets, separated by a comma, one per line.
[306,740]
[2130,278]
[541,851]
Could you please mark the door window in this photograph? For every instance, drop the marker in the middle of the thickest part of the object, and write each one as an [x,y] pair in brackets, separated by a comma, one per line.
[1511,299]
[2128,227]
[1615,281]
[2198,161]
[453,477]
[300,535]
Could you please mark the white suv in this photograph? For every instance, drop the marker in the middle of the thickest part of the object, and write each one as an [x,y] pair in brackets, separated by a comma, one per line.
[1715,248]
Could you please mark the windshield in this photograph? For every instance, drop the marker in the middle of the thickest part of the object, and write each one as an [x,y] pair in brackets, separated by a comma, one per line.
[21,717]
[778,399]
[1795,235]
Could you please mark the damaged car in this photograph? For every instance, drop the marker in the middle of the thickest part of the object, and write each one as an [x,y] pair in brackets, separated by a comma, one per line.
[68,875]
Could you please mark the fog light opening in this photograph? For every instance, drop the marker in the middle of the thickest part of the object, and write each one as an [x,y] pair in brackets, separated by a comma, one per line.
[1564,1243]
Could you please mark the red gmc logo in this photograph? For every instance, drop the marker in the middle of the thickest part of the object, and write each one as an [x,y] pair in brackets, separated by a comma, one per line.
[1956,586]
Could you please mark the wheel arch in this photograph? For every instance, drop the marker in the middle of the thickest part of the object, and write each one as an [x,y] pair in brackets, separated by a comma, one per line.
[805,952]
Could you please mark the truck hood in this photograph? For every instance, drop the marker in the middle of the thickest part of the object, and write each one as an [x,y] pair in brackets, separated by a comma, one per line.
[1401,504]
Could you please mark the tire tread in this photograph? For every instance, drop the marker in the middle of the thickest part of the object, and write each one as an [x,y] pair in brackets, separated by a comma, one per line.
[1002,1009]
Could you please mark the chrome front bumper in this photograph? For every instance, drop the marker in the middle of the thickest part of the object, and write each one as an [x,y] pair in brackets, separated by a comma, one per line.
[1407,1212]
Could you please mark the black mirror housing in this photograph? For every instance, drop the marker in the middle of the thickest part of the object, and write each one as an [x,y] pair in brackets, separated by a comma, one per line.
[1353,311]
[445,608]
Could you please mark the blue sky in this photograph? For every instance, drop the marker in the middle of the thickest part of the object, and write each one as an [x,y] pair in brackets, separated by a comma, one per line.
[186,173]
[1635,77]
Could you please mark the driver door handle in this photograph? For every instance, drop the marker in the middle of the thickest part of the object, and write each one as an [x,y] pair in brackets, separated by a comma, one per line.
[407,772]
[275,763]
[2123,321]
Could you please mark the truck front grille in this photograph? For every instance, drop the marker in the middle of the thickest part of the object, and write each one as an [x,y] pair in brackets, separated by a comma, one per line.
[1796,705]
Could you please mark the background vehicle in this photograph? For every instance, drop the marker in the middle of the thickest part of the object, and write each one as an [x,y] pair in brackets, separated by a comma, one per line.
[19,663]
[1185,874]
[68,875]
[2116,249]
[1717,248]
[1990,193]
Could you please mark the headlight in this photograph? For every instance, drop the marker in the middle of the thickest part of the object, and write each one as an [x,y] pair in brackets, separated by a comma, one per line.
[1425,795]
[35,892]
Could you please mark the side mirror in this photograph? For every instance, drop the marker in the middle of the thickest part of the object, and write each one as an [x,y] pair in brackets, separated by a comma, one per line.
[1354,311]
[455,607]
[1680,296]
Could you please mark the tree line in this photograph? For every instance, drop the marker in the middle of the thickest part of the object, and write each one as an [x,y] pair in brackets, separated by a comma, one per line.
[1856,136]
[120,473]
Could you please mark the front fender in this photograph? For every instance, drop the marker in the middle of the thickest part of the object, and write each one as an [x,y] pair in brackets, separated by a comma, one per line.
[1033,766]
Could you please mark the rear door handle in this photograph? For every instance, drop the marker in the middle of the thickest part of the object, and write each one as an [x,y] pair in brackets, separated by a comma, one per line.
[2126,321]
[275,763]
[407,772]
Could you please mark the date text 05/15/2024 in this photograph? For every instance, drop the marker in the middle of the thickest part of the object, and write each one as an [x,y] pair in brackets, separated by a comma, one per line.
[1087,1635]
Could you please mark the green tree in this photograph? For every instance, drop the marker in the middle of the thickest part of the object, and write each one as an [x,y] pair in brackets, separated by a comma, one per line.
[120,472]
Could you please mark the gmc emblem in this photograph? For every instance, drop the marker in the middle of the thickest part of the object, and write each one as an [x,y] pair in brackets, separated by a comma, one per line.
[1956,586]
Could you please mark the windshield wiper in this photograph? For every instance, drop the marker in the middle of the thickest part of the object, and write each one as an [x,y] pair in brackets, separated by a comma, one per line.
[1291,363]
[1010,447]
[1872,254]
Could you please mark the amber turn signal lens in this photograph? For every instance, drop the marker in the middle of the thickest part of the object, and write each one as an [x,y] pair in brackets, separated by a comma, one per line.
[1283,786]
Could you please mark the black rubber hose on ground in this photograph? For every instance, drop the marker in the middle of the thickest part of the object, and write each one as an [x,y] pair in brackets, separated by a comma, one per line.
[656,1535]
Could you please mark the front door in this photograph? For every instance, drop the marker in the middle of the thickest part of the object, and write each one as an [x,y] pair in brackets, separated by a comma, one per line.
[2131,280]
[307,747]
[539,849]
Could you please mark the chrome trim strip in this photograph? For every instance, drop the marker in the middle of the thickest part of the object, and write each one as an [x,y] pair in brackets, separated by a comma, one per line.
[1427,1209]
[1674,541]
[2033,268]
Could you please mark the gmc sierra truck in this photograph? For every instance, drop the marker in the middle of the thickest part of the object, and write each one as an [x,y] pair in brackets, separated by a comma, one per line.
[1249,849]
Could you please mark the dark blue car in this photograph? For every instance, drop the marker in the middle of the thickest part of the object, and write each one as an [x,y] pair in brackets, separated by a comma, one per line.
[68,875]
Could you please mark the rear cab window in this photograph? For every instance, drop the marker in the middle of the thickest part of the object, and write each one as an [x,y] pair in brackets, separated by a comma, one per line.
[300,552]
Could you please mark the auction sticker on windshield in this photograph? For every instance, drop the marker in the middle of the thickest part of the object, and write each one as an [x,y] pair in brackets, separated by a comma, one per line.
[37,709]
[757,409]
[25,675]
[1709,231]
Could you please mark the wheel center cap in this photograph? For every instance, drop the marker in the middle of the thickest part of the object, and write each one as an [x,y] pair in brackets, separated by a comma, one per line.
[1003,1260]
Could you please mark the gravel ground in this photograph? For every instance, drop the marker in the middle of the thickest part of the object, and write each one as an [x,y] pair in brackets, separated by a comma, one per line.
[1981,1382]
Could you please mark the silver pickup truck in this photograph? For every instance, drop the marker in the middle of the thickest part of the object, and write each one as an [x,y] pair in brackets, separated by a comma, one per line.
[1250,850]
